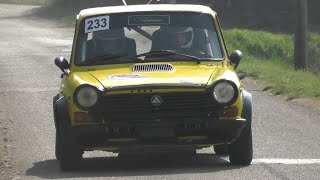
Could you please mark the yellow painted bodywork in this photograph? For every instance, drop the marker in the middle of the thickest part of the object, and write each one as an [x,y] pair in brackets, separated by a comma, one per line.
[204,74]
[189,73]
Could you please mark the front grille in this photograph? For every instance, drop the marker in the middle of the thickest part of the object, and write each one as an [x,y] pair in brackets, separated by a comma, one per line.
[152,68]
[175,106]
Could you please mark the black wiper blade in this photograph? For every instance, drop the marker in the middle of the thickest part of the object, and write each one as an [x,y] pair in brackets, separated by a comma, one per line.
[108,57]
[168,53]
[212,59]
[97,59]
[156,53]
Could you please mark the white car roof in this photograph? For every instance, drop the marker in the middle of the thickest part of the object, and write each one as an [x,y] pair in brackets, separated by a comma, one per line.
[146,8]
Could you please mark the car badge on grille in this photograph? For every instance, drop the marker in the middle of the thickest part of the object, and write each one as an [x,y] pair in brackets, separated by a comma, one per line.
[156,100]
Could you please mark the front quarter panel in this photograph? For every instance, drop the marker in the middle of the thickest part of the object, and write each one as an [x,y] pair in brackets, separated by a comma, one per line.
[227,72]
[71,82]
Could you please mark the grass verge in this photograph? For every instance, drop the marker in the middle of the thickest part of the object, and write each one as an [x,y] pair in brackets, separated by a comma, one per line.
[269,57]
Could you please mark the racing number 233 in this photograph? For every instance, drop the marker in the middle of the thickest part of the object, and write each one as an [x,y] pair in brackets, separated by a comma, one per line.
[96,24]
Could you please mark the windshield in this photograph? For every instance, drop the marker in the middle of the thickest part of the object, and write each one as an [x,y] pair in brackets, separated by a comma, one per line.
[117,38]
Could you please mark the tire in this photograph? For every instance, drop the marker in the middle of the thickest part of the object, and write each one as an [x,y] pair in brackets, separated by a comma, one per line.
[57,143]
[58,146]
[240,152]
[221,149]
[67,150]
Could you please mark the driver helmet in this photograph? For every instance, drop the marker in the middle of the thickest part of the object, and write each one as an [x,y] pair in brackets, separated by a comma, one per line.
[109,41]
[180,37]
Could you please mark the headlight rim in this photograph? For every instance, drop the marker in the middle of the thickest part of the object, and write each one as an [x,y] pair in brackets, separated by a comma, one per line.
[235,88]
[75,99]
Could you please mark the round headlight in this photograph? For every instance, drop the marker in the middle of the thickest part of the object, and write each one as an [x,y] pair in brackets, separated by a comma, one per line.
[224,92]
[86,96]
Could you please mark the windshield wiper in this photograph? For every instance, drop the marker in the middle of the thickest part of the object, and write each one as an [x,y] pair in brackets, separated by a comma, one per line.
[108,57]
[168,53]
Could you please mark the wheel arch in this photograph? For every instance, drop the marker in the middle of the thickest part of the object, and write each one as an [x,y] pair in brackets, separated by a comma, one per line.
[55,99]
[247,107]
[61,111]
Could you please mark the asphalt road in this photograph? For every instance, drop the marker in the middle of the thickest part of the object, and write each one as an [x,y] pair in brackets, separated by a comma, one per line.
[286,135]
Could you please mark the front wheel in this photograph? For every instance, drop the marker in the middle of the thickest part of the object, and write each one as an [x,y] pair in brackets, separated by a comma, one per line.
[240,152]
[68,152]
[58,143]
[58,146]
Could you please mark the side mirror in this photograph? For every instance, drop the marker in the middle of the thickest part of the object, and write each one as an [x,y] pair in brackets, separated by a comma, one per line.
[62,63]
[235,57]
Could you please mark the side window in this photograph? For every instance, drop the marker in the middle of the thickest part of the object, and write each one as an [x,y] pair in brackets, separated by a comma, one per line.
[82,48]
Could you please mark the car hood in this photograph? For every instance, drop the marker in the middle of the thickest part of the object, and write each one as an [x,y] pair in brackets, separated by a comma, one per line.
[180,76]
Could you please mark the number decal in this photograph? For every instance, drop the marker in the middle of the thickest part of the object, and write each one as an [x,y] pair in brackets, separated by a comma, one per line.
[104,21]
[90,25]
[97,21]
[97,24]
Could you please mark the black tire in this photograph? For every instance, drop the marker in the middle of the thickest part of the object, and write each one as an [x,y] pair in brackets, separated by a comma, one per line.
[240,152]
[58,146]
[58,143]
[221,149]
[68,151]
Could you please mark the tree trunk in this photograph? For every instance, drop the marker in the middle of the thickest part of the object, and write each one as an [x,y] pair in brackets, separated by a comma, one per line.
[301,42]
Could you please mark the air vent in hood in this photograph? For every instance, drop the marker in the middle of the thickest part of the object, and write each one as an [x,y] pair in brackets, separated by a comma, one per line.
[152,68]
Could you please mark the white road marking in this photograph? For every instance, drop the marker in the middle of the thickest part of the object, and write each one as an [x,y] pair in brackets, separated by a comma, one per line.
[66,50]
[286,161]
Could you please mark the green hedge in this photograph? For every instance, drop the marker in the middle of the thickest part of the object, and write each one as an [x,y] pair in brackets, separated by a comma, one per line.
[269,57]
[276,47]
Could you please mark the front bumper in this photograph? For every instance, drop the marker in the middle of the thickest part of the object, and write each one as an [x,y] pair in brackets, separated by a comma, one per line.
[130,135]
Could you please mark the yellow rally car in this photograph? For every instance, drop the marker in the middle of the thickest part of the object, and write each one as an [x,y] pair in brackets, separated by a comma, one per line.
[151,78]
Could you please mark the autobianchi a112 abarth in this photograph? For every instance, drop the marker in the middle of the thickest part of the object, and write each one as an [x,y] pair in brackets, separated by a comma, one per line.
[151,77]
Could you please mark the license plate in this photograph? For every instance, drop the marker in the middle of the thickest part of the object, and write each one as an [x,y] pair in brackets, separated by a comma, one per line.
[157,133]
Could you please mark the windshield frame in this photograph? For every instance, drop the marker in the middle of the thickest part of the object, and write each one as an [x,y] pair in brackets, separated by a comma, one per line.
[79,33]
